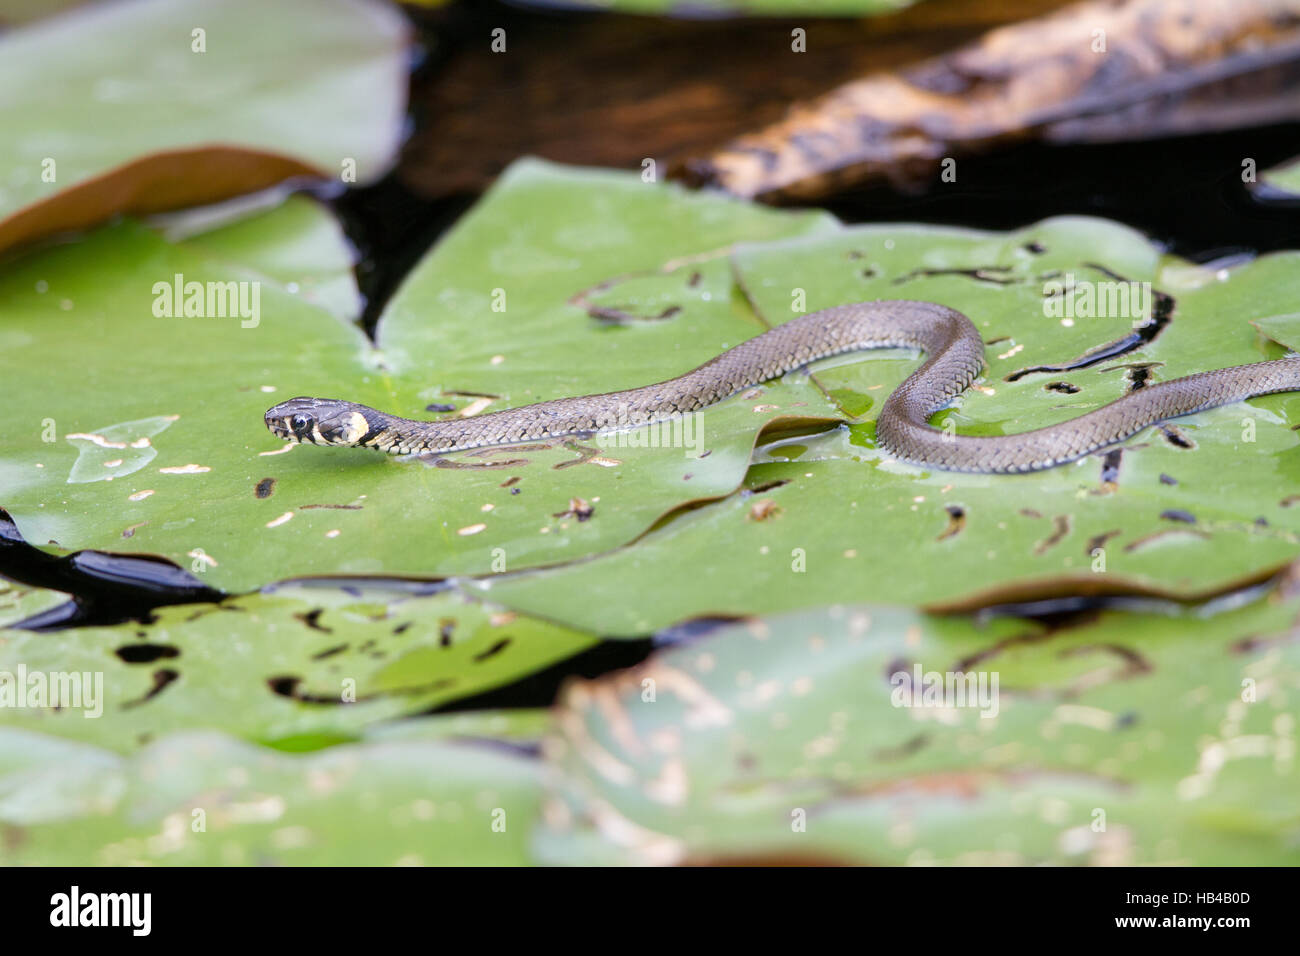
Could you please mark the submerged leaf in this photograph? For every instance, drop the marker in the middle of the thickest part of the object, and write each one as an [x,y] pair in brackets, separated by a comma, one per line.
[208,799]
[879,735]
[299,667]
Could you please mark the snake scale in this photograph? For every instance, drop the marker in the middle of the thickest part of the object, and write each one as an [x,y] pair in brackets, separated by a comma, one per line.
[954,356]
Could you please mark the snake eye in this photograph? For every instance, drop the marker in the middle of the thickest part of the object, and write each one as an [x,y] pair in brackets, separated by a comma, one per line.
[299,423]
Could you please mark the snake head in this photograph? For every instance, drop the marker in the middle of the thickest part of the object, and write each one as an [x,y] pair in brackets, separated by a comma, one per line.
[322,421]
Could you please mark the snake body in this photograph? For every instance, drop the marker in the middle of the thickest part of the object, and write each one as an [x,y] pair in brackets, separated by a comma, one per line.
[954,356]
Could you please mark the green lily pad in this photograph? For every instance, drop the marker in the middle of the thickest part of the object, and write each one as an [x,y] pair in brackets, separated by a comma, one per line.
[1283,180]
[232,97]
[299,667]
[524,727]
[207,799]
[298,244]
[219,494]
[1204,505]
[838,736]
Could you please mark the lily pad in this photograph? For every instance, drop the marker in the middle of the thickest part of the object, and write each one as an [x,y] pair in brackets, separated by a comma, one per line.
[298,667]
[1202,505]
[521,727]
[208,799]
[298,244]
[216,109]
[840,735]
[1282,181]
[221,496]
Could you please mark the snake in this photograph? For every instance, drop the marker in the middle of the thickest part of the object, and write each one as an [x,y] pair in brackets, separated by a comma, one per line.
[954,358]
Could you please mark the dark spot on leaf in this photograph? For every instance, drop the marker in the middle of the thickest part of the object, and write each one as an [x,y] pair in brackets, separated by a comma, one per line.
[1138,375]
[1255,642]
[161,678]
[585,453]
[899,665]
[440,407]
[329,652]
[439,462]
[510,481]
[445,628]
[492,651]
[998,275]
[1060,528]
[691,630]
[287,686]
[1134,663]
[1162,312]
[1150,539]
[1174,514]
[1063,387]
[312,619]
[1167,480]
[1175,436]
[612,315]
[265,488]
[146,653]
[1110,466]
[765,486]
[903,750]
[1099,541]
[956,522]
[1035,248]
[401,628]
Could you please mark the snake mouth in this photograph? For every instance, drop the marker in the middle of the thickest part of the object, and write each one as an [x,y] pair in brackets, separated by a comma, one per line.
[294,421]
[280,431]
